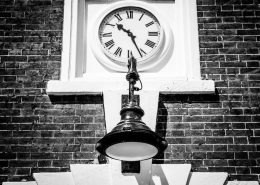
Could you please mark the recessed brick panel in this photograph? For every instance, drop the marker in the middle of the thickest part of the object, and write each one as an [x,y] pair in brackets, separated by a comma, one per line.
[214,133]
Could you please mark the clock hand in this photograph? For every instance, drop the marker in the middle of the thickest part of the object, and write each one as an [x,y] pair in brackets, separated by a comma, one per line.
[131,35]
[133,40]
[121,27]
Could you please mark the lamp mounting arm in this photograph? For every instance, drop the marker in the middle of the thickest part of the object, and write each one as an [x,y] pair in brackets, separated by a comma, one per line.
[132,76]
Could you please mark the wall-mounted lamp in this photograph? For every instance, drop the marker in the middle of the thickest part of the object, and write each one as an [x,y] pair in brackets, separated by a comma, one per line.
[131,139]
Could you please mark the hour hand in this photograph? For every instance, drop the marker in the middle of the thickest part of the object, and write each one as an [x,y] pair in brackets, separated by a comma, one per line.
[121,27]
[130,34]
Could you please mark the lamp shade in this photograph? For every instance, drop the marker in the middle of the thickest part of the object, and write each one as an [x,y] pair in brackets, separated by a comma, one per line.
[131,139]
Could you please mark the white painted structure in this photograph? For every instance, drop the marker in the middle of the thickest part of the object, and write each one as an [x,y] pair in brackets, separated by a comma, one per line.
[109,174]
[20,183]
[165,174]
[83,73]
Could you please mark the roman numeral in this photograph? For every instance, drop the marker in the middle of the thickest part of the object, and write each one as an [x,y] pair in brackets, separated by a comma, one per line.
[118,51]
[129,14]
[153,33]
[142,51]
[107,34]
[110,24]
[149,24]
[149,43]
[141,17]
[118,17]
[110,44]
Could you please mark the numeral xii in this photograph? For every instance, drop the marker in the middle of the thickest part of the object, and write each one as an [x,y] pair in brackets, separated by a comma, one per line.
[129,14]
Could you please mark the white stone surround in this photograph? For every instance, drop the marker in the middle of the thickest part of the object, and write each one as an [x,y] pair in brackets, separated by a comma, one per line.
[108,174]
[160,174]
[82,74]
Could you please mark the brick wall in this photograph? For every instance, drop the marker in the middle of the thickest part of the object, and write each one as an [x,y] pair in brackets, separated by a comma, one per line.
[219,132]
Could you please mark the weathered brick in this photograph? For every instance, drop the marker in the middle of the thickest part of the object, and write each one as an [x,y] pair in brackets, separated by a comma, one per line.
[84,155]
[198,133]
[31,163]
[216,162]
[22,171]
[243,177]
[255,170]
[220,148]
[192,148]
[242,162]
[222,169]
[241,147]
[220,155]
[179,140]
[219,140]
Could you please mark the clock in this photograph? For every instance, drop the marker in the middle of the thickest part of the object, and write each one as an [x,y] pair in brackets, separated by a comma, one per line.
[129,27]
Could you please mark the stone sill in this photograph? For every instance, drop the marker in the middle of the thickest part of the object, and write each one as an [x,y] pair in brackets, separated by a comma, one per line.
[164,86]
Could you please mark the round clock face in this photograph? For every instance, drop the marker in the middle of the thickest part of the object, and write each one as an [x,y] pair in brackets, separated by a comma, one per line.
[130,29]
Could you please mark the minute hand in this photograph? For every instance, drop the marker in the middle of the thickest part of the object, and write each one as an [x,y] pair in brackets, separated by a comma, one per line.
[133,40]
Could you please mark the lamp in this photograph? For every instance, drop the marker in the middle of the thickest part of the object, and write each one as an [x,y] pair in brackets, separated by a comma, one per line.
[131,139]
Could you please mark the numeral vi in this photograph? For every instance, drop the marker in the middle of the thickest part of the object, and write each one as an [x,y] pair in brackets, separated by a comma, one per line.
[118,51]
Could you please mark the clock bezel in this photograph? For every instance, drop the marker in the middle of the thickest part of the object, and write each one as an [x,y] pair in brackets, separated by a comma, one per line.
[158,58]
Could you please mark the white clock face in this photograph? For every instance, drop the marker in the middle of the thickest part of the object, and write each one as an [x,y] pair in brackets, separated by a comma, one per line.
[130,29]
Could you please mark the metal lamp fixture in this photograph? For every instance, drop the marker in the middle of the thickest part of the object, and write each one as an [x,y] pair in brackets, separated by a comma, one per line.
[131,139]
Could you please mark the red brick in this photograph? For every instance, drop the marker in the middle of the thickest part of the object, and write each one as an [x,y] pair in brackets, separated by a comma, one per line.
[220,155]
[222,169]
[242,162]
[219,140]
[216,162]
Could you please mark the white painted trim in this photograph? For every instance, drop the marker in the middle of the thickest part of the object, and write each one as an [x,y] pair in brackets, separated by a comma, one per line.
[112,106]
[150,174]
[73,61]
[66,41]
[149,103]
[56,87]
[207,178]
[190,30]
[73,46]
[58,178]
[74,39]
[142,178]
[20,183]
[242,183]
